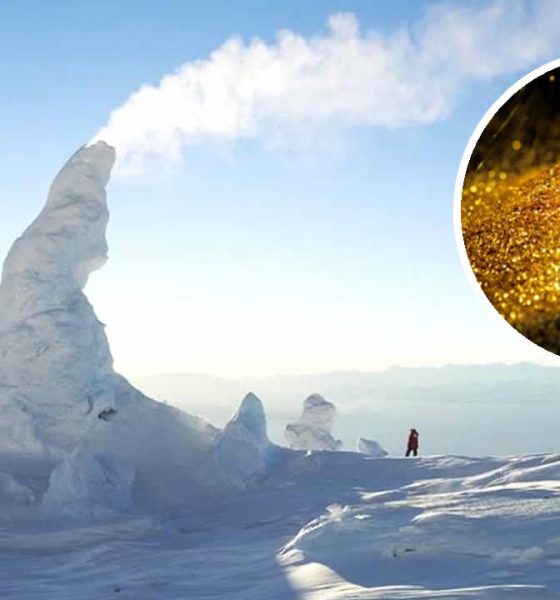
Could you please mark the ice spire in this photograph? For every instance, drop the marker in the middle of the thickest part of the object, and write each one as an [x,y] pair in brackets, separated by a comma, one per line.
[85,437]
[243,450]
[55,360]
[49,264]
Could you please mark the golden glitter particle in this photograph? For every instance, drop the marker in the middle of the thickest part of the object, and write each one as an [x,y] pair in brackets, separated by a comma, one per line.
[516,145]
[511,234]
[473,189]
[552,77]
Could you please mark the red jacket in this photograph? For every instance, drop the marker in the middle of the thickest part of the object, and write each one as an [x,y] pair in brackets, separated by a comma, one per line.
[413,440]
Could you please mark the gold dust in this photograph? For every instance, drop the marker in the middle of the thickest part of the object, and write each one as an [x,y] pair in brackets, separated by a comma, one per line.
[511,229]
[516,145]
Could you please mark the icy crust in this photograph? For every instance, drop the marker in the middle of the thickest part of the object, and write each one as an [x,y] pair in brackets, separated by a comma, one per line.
[243,450]
[370,448]
[313,429]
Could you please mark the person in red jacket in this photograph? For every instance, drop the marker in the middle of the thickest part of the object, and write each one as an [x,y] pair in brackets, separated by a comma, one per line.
[412,443]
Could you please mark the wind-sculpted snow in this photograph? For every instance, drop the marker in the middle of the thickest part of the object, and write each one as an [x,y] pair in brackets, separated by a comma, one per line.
[313,430]
[443,535]
[341,526]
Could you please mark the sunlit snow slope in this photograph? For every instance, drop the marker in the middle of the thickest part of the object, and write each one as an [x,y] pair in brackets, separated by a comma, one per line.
[327,526]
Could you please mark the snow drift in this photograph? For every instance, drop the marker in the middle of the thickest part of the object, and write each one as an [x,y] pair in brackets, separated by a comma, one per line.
[371,448]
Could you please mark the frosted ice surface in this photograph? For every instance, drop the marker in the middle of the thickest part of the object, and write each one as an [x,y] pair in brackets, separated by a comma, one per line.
[313,429]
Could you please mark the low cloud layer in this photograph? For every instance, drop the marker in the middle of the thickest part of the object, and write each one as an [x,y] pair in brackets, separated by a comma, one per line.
[346,76]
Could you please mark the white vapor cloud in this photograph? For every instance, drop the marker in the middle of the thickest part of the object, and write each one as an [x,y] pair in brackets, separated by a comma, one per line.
[345,76]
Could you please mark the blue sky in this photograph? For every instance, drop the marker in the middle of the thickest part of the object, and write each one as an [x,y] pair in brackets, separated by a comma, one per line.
[333,249]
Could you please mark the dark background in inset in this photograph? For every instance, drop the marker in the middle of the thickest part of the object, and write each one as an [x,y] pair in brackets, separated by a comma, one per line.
[531,116]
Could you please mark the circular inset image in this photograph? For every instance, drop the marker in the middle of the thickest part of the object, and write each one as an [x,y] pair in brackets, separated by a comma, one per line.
[510,207]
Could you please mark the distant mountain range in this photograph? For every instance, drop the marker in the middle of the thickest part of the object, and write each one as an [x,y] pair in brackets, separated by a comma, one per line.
[474,409]
[504,383]
[451,373]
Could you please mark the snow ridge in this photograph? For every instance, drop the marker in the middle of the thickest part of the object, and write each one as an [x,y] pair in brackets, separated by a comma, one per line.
[370,448]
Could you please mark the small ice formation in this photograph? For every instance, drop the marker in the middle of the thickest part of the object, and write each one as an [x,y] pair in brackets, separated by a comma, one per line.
[243,450]
[89,483]
[313,430]
[370,448]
